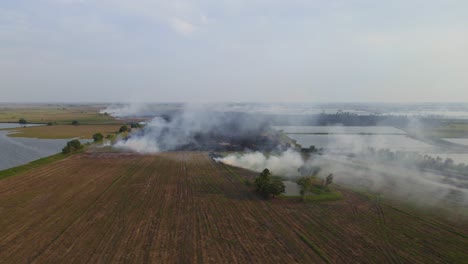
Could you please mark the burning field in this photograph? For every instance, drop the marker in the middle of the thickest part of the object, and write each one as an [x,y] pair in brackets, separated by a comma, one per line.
[183,207]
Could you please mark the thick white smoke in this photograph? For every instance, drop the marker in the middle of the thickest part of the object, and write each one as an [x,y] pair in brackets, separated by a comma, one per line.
[198,128]
[286,163]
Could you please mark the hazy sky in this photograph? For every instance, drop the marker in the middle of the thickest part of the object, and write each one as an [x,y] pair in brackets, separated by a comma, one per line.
[234,50]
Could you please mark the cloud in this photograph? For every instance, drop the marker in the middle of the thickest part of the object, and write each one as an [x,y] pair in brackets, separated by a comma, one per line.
[204,19]
[183,27]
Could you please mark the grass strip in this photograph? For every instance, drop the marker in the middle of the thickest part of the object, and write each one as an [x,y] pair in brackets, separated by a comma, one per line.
[312,246]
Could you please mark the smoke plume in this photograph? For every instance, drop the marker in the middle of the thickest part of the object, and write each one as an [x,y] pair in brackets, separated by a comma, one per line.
[199,128]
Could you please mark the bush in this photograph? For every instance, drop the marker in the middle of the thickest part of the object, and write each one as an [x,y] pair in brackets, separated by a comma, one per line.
[72,146]
[22,121]
[267,185]
[136,125]
[98,137]
[124,128]
[75,123]
[49,123]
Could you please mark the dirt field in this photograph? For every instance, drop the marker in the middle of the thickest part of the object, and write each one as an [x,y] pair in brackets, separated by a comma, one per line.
[182,207]
[65,131]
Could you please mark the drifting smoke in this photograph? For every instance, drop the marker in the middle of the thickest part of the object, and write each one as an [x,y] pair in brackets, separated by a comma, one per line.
[286,163]
[197,128]
[396,180]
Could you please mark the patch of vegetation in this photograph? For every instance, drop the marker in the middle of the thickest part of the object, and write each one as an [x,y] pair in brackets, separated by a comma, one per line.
[315,190]
[75,122]
[98,137]
[136,125]
[31,165]
[325,196]
[22,121]
[124,128]
[268,185]
[72,146]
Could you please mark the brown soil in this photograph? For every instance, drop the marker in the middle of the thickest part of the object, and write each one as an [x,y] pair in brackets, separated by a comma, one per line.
[182,207]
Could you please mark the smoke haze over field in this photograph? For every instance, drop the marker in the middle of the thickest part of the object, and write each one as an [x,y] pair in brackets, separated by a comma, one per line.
[208,128]
[198,128]
[396,181]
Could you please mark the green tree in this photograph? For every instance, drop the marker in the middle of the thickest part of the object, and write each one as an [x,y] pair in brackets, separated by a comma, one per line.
[267,185]
[98,137]
[306,184]
[75,123]
[329,180]
[22,121]
[72,146]
[124,128]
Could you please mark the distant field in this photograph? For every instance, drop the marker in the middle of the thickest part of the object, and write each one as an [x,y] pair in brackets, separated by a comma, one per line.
[65,131]
[450,130]
[183,207]
[60,114]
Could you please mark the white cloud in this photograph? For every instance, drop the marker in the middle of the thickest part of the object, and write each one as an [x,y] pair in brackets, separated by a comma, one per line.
[183,27]
[204,19]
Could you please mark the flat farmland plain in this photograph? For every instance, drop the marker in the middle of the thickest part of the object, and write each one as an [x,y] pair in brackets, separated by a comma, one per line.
[182,207]
[64,131]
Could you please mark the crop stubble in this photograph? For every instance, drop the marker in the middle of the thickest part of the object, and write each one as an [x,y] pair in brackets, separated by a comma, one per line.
[183,207]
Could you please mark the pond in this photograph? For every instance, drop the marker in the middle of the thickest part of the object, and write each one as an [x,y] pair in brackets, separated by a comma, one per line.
[358,143]
[461,141]
[18,151]
[340,130]
[291,189]
[15,125]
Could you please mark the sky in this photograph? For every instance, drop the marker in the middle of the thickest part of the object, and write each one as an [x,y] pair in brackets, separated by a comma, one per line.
[233,51]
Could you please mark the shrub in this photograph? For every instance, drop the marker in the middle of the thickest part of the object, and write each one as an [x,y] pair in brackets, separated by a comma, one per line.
[22,121]
[124,128]
[74,122]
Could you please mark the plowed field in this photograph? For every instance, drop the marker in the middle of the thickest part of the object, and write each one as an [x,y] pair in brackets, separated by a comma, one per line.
[182,207]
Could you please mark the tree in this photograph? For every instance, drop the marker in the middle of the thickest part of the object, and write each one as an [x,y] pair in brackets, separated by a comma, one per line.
[75,123]
[22,121]
[328,180]
[124,128]
[306,184]
[72,146]
[98,137]
[268,185]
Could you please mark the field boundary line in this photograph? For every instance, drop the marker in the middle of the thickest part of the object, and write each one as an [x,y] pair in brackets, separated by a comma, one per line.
[312,246]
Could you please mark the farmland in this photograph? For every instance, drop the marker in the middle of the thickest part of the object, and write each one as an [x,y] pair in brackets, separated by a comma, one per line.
[55,113]
[183,207]
[64,131]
